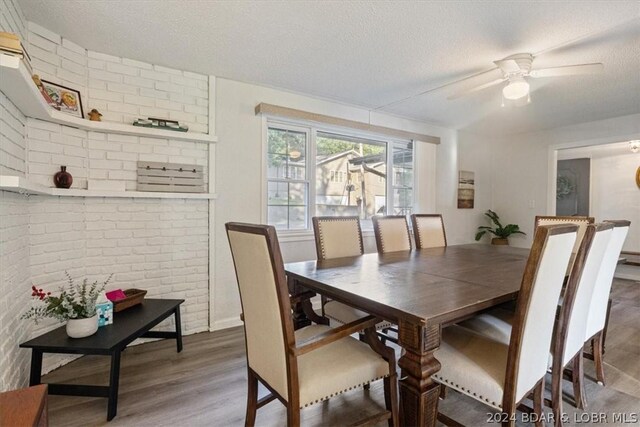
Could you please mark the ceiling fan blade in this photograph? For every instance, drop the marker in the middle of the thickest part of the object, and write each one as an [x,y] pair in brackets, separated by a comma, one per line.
[477,88]
[568,70]
[508,65]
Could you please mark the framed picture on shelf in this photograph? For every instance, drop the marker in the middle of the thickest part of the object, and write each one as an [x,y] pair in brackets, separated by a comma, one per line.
[64,98]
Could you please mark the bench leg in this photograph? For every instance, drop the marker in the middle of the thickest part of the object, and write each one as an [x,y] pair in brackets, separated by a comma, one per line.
[114,379]
[36,367]
[178,329]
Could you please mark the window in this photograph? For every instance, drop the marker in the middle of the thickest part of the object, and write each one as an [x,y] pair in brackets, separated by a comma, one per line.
[313,172]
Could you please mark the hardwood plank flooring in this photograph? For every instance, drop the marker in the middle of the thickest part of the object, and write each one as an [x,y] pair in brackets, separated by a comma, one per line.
[206,384]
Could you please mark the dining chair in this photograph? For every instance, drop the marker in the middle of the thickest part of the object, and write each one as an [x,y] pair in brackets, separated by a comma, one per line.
[311,364]
[571,323]
[580,221]
[392,233]
[338,237]
[501,375]
[428,230]
[597,324]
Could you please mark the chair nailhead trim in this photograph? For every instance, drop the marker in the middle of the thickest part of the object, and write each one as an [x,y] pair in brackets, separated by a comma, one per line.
[466,391]
[337,219]
[342,391]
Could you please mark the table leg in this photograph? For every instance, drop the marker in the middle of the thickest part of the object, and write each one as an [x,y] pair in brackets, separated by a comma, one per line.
[418,392]
[36,367]
[178,329]
[114,380]
[300,319]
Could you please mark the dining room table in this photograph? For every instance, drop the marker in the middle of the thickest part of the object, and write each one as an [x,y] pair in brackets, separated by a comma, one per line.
[421,292]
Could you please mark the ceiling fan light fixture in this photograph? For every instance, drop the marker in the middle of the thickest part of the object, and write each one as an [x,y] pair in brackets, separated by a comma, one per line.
[516,89]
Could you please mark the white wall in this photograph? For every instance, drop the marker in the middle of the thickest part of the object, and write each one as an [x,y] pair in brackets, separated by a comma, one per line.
[239,178]
[520,178]
[615,195]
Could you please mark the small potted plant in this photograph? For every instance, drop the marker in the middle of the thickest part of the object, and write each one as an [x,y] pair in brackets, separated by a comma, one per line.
[501,233]
[76,304]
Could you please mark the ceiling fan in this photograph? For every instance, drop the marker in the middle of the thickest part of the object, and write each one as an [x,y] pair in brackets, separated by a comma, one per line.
[516,69]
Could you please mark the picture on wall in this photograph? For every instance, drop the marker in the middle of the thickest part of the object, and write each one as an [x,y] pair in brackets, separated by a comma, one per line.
[64,98]
[466,189]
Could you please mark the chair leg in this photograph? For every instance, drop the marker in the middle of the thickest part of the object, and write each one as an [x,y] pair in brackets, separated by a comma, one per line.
[556,392]
[361,337]
[443,391]
[538,402]
[577,376]
[293,416]
[391,399]
[252,399]
[598,353]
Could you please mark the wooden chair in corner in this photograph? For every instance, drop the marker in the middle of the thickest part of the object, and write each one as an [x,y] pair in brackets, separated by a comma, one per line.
[502,375]
[571,323]
[338,237]
[601,303]
[392,233]
[428,230]
[311,364]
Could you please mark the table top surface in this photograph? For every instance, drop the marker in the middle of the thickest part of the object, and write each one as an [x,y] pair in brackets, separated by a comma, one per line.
[23,407]
[127,325]
[430,286]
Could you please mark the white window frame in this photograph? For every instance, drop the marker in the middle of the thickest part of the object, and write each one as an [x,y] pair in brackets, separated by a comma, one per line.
[311,129]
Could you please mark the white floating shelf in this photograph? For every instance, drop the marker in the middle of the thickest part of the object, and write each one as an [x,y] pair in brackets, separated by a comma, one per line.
[16,83]
[20,185]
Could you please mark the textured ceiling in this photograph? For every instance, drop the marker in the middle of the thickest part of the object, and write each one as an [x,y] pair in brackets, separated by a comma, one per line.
[374,53]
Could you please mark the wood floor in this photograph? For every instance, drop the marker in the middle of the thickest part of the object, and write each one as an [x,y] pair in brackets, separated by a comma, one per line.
[206,383]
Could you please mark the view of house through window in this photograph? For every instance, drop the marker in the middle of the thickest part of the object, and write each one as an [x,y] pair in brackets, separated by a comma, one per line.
[363,163]
[339,175]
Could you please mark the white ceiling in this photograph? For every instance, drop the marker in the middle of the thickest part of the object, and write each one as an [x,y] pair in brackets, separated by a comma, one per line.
[374,53]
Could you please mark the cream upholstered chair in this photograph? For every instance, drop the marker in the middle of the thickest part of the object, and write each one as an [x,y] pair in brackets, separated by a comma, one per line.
[580,221]
[428,230]
[501,375]
[599,309]
[392,233]
[315,362]
[338,237]
[571,324]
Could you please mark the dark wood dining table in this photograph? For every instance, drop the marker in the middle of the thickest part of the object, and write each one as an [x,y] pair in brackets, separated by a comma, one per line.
[420,291]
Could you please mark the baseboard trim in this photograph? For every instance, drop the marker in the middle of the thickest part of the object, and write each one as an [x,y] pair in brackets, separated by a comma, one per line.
[230,322]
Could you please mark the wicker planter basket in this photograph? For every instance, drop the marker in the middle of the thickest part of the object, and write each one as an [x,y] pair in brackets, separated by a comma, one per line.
[134,297]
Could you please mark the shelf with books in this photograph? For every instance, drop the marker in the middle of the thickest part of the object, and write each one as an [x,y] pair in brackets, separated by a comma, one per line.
[16,83]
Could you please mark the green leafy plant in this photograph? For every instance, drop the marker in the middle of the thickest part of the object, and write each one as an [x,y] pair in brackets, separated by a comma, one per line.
[500,231]
[76,301]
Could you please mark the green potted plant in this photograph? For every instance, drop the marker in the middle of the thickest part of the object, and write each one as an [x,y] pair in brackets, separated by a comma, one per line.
[76,305]
[500,232]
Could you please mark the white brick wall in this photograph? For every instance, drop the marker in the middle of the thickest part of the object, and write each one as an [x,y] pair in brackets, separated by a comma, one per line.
[14,288]
[121,89]
[156,244]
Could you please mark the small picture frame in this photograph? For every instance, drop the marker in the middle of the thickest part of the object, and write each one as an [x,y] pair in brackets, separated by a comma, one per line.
[64,99]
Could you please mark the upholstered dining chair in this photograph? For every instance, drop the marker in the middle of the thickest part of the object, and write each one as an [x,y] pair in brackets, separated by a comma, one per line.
[580,221]
[392,233]
[311,364]
[600,304]
[428,230]
[501,375]
[571,322]
[338,237]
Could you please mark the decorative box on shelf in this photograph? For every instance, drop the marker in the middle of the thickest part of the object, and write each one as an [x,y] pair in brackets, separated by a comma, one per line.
[170,177]
[131,297]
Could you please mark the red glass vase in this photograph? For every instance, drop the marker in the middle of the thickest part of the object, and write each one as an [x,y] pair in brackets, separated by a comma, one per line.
[63,179]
